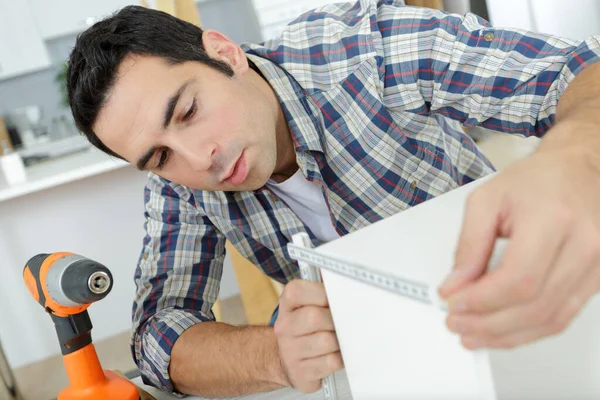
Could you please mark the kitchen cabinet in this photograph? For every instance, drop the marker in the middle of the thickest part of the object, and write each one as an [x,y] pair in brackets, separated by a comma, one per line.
[65,17]
[22,50]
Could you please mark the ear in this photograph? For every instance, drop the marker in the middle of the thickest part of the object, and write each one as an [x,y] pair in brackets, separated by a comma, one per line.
[220,47]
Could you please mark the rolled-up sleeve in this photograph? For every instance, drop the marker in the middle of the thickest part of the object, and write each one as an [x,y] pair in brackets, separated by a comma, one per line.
[177,278]
[461,67]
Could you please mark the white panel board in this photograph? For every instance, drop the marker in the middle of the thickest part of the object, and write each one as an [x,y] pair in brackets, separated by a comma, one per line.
[397,348]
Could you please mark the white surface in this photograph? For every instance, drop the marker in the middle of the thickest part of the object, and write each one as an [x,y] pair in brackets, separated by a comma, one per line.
[282,394]
[60,171]
[306,199]
[574,19]
[21,47]
[12,168]
[415,356]
[412,356]
[63,17]
[511,14]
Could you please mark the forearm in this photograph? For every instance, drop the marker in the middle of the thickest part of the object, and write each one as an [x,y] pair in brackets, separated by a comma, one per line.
[213,359]
[577,127]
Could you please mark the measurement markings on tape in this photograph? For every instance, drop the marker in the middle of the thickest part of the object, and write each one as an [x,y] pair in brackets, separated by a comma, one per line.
[404,287]
[311,273]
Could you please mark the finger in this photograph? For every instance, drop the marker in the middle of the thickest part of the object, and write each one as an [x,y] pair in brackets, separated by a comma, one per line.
[299,293]
[310,319]
[320,367]
[476,241]
[522,272]
[560,323]
[317,344]
[556,324]
[566,276]
[574,265]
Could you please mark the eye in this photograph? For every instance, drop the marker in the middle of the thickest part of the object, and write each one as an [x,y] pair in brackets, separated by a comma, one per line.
[164,159]
[191,111]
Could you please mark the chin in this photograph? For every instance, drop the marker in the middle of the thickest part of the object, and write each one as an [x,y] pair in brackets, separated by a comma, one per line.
[258,176]
[252,184]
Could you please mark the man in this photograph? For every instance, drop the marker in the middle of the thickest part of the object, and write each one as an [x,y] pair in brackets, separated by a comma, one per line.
[354,114]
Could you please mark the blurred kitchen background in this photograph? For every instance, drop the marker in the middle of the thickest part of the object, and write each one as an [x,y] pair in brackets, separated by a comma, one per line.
[77,199]
[37,36]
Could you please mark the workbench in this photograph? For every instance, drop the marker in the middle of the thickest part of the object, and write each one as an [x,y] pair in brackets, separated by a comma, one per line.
[281,394]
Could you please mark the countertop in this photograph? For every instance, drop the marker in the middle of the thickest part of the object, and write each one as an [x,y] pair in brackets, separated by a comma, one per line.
[59,171]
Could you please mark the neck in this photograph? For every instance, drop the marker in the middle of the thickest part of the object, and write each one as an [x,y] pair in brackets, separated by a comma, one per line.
[285,165]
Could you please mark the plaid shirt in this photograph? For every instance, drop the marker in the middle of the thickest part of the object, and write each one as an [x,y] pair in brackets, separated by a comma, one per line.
[374,94]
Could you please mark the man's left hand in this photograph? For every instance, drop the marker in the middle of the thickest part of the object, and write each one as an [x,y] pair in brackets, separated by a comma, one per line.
[548,206]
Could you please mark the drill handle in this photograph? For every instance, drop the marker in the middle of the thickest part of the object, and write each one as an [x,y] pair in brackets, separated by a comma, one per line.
[74,331]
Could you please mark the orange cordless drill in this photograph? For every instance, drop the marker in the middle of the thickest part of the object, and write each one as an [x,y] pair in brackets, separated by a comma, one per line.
[65,284]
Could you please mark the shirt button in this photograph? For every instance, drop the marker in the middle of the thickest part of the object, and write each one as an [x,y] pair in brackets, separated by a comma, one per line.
[488,37]
[413,185]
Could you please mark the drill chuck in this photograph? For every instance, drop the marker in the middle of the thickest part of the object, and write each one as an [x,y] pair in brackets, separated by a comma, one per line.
[66,283]
[75,280]
[99,282]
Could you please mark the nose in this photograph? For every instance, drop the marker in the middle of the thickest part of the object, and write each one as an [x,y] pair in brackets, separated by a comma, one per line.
[199,157]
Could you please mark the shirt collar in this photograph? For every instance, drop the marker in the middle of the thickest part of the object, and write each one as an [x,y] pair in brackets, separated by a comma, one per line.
[294,101]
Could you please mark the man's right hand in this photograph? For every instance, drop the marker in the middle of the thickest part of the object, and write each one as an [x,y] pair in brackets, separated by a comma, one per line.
[308,347]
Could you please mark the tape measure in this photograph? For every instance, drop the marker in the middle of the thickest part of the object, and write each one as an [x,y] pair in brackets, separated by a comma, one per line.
[310,273]
[307,255]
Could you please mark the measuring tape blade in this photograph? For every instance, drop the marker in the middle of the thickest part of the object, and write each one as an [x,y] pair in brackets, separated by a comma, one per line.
[404,287]
[313,274]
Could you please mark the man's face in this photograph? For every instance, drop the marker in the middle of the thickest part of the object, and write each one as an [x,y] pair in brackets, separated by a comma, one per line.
[192,124]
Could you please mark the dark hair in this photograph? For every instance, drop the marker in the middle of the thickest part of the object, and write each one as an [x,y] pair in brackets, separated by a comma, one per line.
[98,52]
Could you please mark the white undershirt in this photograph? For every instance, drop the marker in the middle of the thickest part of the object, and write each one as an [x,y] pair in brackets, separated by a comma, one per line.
[306,199]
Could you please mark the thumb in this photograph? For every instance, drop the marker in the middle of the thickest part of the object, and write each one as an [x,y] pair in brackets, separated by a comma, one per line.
[476,241]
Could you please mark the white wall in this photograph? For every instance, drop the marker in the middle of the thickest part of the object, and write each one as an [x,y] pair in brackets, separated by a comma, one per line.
[575,19]
[99,217]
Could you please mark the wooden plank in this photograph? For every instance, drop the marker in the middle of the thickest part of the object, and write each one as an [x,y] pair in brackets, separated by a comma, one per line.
[256,291]
[4,137]
[216,309]
[182,9]
[437,4]
[187,11]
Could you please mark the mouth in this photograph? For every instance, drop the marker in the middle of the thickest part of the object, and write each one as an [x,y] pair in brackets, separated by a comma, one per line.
[238,171]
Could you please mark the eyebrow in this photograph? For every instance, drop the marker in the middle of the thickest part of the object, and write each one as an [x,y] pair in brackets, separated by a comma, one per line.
[141,164]
[170,109]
